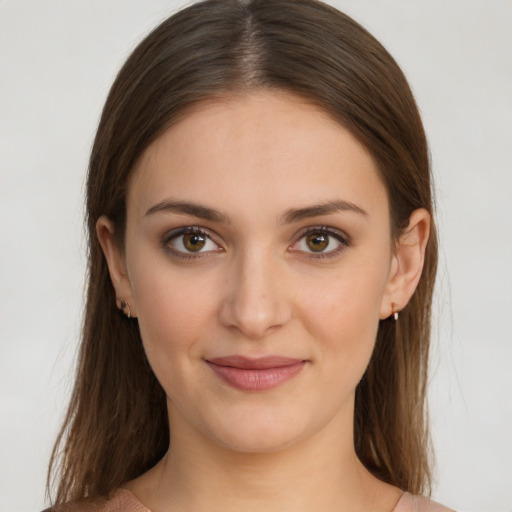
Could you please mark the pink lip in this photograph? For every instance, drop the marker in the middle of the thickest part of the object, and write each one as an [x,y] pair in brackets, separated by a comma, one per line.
[256,374]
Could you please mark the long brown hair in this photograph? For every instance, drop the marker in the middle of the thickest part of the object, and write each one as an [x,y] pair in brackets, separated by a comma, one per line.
[116,425]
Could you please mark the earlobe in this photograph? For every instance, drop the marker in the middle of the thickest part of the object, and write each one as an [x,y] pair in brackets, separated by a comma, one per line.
[105,231]
[407,264]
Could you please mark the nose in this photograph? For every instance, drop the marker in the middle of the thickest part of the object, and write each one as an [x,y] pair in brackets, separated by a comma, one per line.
[255,302]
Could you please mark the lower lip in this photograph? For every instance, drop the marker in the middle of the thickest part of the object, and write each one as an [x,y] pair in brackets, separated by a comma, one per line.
[257,379]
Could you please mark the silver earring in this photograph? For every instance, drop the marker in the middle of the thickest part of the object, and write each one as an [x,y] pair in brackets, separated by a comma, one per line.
[126,309]
[394,311]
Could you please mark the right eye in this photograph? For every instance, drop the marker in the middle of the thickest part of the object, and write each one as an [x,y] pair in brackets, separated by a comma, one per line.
[189,241]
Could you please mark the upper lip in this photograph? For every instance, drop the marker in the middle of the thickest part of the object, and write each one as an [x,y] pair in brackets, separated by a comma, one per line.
[259,363]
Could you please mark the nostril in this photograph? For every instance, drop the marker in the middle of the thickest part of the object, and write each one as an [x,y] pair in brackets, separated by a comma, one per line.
[253,318]
[255,301]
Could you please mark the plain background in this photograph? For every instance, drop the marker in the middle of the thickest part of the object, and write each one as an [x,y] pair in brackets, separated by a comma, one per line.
[57,61]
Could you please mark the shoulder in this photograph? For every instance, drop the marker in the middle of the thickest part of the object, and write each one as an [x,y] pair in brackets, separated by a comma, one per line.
[121,501]
[413,503]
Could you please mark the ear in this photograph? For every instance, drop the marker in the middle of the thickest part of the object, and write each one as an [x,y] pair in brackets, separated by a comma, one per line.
[116,264]
[407,263]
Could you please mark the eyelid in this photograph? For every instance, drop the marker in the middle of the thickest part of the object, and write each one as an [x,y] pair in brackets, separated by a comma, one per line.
[177,232]
[343,239]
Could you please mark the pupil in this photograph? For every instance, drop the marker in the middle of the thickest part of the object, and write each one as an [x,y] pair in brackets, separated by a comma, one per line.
[194,242]
[317,242]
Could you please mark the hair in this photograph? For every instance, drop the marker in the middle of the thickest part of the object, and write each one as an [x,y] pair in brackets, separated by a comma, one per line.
[116,426]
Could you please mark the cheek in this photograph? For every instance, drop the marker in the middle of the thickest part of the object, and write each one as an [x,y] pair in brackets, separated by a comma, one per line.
[342,315]
[175,314]
[174,308]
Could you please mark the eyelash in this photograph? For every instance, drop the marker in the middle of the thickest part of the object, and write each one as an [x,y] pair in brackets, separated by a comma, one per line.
[343,239]
[187,230]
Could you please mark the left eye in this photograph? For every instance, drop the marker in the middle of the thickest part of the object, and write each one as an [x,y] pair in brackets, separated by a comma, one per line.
[319,242]
[192,242]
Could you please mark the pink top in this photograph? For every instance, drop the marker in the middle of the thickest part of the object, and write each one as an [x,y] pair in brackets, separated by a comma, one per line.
[124,501]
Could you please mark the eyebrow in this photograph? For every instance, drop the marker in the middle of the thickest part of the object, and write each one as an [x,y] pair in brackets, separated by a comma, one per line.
[196,210]
[288,217]
[297,214]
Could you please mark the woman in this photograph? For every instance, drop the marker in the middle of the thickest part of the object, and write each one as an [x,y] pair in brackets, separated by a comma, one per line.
[259,210]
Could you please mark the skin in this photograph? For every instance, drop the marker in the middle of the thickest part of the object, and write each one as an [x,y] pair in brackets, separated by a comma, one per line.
[257,288]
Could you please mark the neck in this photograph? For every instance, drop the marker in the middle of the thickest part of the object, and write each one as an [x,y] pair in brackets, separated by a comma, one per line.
[320,473]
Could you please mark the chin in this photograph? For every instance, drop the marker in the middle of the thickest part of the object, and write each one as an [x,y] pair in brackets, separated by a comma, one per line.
[253,441]
[263,430]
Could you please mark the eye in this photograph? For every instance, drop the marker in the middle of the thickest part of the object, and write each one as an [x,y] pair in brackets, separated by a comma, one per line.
[320,241]
[188,241]
[317,242]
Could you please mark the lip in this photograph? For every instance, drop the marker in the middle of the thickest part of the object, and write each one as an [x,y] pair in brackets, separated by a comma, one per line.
[258,374]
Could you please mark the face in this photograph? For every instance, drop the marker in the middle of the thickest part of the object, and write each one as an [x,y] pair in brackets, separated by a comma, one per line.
[258,260]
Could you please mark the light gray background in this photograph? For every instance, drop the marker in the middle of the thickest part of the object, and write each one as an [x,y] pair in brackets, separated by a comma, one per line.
[57,61]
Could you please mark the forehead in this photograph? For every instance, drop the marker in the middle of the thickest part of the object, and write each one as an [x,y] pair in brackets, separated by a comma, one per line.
[255,150]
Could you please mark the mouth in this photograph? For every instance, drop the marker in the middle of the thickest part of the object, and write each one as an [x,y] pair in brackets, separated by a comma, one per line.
[258,374]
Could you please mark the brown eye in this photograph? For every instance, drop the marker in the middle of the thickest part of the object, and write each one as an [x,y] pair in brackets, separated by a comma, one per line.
[194,242]
[317,242]
[321,242]
[189,241]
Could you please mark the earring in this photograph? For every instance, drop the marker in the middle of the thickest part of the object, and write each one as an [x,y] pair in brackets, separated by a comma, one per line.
[124,305]
[394,311]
